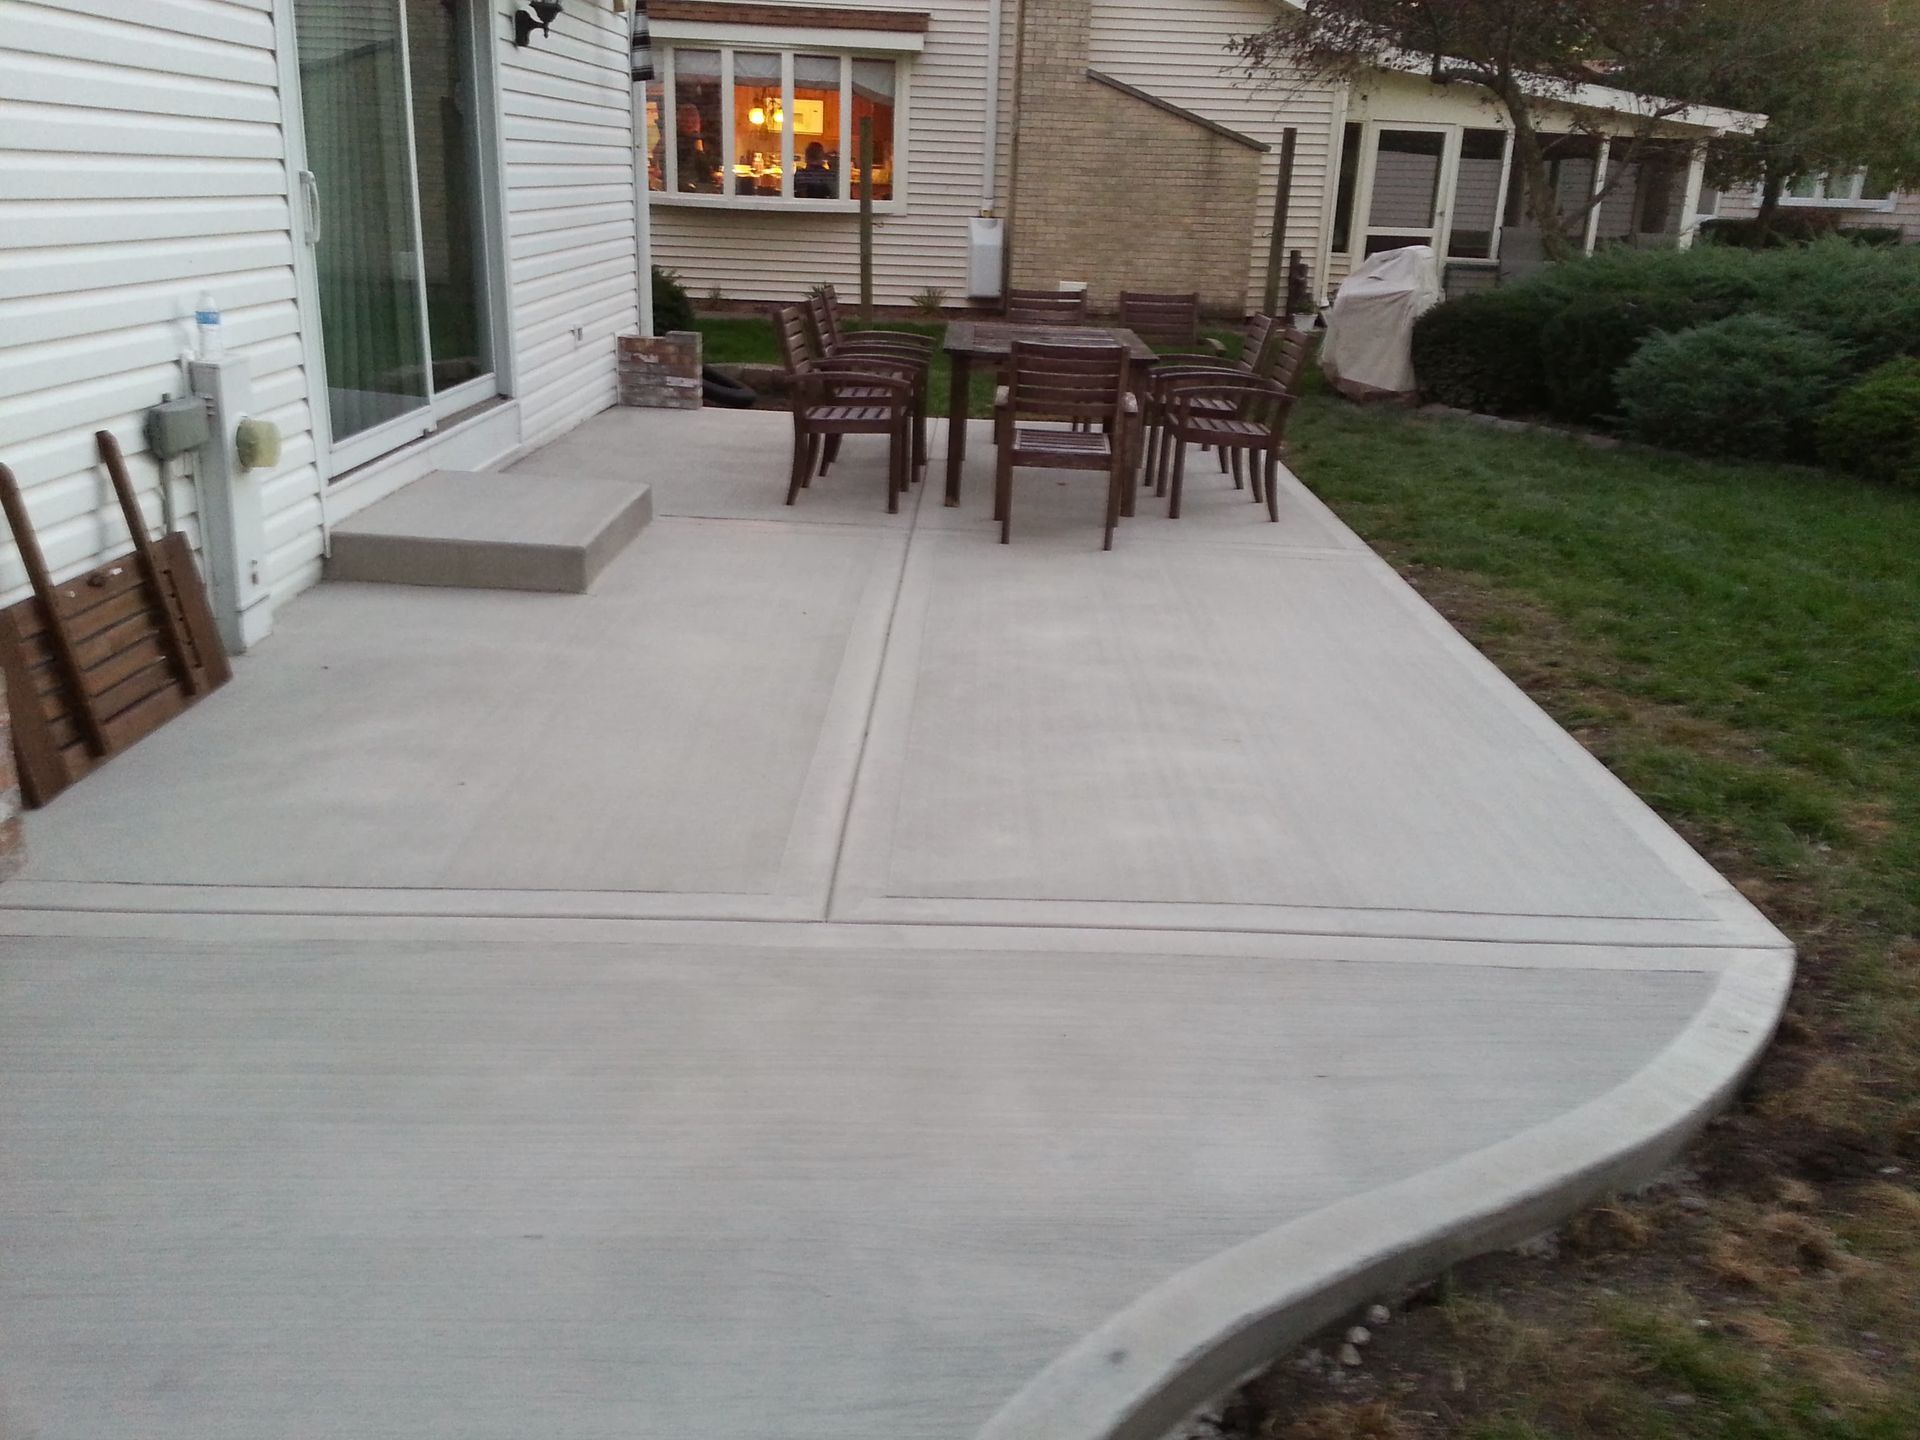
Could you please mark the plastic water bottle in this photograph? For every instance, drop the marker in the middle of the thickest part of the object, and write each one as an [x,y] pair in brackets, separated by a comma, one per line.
[206,320]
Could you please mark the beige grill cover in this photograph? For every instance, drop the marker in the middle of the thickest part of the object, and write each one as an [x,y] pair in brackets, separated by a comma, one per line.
[1368,353]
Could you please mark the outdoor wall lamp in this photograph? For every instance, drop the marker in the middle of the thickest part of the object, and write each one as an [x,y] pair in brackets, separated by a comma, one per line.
[537,16]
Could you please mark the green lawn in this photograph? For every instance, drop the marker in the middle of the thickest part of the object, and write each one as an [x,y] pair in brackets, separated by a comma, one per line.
[748,340]
[1741,643]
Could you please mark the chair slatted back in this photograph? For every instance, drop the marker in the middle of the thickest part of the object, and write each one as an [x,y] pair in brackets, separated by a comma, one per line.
[1256,338]
[1163,321]
[1047,307]
[824,303]
[797,348]
[1291,352]
[1067,382]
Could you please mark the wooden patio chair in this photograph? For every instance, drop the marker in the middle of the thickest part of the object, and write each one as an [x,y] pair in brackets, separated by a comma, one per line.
[837,396]
[833,340]
[1046,307]
[799,351]
[1169,323]
[1255,424]
[1256,357]
[1050,381]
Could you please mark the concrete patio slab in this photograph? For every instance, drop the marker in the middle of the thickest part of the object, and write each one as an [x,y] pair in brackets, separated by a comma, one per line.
[843,977]
[678,742]
[692,1189]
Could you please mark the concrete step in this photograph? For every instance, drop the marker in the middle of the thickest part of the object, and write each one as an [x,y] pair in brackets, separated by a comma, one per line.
[489,531]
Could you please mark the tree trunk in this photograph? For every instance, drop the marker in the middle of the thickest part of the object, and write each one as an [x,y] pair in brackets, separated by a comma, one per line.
[1530,166]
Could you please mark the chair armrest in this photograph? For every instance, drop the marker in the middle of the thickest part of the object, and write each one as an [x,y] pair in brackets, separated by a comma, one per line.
[898,337]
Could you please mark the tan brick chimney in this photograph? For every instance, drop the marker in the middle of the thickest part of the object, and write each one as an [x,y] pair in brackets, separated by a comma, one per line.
[1116,187]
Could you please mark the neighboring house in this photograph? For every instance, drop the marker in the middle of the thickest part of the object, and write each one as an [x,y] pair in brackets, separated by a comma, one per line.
[283,155]
[1852,200]
[1118,140]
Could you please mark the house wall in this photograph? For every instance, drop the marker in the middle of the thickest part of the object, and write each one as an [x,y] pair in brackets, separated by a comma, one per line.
[142,161]
[767,256]
[1183,57]
[1113,191]
[1744,204]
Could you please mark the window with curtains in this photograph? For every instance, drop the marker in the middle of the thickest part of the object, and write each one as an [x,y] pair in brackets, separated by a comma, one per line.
[762,126]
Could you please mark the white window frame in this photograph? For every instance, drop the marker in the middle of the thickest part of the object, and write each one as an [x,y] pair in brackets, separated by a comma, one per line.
[786,44]
[1853,182]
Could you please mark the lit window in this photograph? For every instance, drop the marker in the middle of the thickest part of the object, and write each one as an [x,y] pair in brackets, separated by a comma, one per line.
[656,134]
[759,126]
[873,101]
[817,146]
[697,135]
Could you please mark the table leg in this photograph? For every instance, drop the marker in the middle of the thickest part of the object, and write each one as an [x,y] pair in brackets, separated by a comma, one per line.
[959,401]
[1136,377]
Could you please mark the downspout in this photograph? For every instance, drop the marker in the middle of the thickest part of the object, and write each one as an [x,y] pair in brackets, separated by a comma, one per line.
[989,171]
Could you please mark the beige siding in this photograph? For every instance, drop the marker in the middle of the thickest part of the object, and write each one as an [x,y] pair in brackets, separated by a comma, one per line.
[140,163]
[567,118]
[1183,57]
[758,255]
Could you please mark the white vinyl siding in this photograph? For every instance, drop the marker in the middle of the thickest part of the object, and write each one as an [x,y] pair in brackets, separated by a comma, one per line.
[1183,58]
[142,163]
[567,137]
[764,255]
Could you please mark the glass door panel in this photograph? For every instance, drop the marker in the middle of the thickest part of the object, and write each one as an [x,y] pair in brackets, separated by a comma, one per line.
[353,90]
[1404,207]
[447,160]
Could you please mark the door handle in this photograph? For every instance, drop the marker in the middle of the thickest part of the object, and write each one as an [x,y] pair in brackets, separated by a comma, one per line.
[310,193]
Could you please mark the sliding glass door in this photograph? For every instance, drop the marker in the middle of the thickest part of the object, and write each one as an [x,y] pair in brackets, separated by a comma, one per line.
[388,93]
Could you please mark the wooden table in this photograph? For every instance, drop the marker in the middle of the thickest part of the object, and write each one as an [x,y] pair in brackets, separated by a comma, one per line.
[992,341]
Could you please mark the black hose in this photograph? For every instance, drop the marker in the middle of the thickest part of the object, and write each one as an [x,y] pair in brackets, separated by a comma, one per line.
[725,391]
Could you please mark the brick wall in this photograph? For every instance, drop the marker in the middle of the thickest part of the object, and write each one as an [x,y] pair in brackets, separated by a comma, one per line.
[1114,191]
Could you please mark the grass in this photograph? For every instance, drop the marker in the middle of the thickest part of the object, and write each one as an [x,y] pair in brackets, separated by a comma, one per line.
[1741,643]
[749,340]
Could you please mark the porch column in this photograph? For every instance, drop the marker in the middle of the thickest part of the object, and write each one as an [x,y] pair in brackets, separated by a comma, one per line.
[1602,155]
[1696,180]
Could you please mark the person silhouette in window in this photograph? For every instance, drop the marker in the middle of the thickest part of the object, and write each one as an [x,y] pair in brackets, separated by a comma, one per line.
[815,179]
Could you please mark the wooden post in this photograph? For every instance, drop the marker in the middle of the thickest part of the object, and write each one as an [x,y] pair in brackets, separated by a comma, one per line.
[1282,204]
[866,218]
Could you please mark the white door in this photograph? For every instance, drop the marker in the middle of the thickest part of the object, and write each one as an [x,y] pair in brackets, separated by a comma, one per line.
[1409,169]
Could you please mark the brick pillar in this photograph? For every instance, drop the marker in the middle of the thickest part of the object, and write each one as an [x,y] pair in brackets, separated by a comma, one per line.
[661,372]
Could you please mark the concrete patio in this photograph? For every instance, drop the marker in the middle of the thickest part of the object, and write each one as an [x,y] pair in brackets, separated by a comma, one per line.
[840,978]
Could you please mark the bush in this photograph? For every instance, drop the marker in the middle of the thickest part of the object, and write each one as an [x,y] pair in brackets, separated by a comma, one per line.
[1795,227]
[1873,428]
[1483,351]
[1749,385]
[672,310]
[1586,343]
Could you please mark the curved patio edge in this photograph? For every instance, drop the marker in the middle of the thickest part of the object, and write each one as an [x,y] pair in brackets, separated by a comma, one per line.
[1207,1329]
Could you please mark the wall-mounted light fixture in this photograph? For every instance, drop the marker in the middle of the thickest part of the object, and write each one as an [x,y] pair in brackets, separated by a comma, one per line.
[539,15]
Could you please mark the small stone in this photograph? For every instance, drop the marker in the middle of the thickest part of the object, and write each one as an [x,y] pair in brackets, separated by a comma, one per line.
[1680,1400]
[1359,1335]
[1703,1324]
[1378,1315]
[1693,1203]
[1349,1355]
[1890,1170]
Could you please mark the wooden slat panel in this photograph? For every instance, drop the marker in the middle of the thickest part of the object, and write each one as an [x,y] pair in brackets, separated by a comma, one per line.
[146,650]
[114,700]
[143,718]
